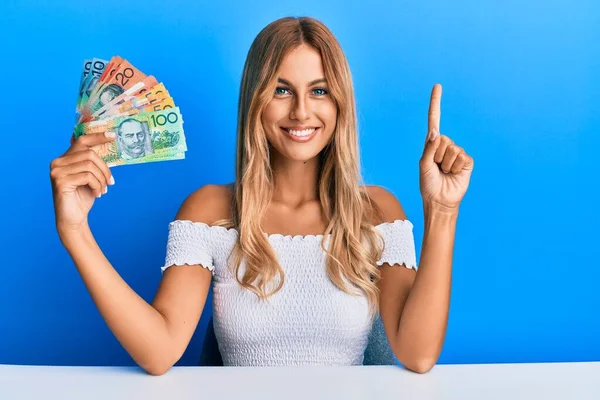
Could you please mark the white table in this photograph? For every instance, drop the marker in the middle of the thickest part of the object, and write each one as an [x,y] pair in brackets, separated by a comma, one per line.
[473,381]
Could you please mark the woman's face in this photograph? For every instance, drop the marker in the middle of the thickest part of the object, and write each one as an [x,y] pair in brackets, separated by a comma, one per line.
[300,119]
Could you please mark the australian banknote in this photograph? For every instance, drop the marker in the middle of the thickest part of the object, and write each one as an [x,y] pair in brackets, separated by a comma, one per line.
[116,97]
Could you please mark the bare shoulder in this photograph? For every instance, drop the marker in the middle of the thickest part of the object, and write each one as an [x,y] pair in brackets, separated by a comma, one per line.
[208,204]
[390,207]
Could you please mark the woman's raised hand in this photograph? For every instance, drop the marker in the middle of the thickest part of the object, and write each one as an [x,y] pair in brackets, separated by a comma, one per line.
[78,177]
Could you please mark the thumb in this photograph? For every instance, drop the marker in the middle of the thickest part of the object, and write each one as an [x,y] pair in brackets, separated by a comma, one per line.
[431,145]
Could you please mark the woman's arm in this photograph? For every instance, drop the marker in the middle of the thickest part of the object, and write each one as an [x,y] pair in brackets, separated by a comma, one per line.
[154,335]
[424,320]
[444,175]
[141,329]
[414,305]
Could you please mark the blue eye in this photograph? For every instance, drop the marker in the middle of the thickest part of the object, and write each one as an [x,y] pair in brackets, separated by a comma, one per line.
[279,89]
[323,92]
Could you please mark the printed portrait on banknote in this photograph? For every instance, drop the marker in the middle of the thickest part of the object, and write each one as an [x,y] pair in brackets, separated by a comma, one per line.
[108,93]
[133,139]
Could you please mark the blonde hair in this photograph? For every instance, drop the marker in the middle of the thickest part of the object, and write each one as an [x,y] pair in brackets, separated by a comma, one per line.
[355,245]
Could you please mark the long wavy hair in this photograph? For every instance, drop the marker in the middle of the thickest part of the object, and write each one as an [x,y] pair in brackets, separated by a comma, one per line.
[355,245]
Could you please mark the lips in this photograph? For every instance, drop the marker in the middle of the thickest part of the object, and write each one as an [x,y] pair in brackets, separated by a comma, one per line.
[302,135]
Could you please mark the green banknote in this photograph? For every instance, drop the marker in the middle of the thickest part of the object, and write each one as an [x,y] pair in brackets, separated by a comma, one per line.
[140,138]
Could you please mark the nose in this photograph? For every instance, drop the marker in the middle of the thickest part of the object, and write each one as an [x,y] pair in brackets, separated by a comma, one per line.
[299,110]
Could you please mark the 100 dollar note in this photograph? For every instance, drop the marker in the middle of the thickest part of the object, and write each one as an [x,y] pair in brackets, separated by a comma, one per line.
[140,138]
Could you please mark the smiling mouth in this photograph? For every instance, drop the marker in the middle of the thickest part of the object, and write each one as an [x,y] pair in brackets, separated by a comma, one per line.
[300,133]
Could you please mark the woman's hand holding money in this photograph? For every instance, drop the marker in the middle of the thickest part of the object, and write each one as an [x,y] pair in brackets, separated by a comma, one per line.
[78,177]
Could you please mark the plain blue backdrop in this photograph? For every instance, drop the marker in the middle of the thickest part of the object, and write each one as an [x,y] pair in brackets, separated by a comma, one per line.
[521,88]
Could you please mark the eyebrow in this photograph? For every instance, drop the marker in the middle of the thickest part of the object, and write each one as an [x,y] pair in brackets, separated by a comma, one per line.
[286,82]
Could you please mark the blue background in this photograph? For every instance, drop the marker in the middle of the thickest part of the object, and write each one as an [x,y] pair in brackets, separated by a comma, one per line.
[521,83]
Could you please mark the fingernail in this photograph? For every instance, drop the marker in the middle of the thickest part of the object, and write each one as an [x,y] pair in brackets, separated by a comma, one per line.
[110,134]
[98,196]
[105,189]
[433,135]
[112,180]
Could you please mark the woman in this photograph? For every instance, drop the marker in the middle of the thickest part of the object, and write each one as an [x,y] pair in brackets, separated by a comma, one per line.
[303,256]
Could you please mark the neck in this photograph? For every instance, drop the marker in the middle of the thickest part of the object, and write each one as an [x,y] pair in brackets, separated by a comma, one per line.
[295,182]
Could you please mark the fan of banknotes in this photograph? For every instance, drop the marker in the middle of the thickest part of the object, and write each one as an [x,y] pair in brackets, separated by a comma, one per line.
[114,96]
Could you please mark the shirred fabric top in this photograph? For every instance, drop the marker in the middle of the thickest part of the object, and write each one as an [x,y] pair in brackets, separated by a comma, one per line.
[309,321]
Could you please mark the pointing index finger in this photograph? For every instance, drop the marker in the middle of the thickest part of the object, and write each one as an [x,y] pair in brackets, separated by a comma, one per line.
[435,108]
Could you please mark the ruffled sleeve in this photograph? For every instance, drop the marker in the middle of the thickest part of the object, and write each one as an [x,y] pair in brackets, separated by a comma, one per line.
[189,243]
[399,243]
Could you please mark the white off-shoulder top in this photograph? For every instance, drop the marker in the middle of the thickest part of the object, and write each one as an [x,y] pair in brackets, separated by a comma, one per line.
[309,321]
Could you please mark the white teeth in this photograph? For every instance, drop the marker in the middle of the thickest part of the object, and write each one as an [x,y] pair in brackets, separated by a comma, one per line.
[301,133]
